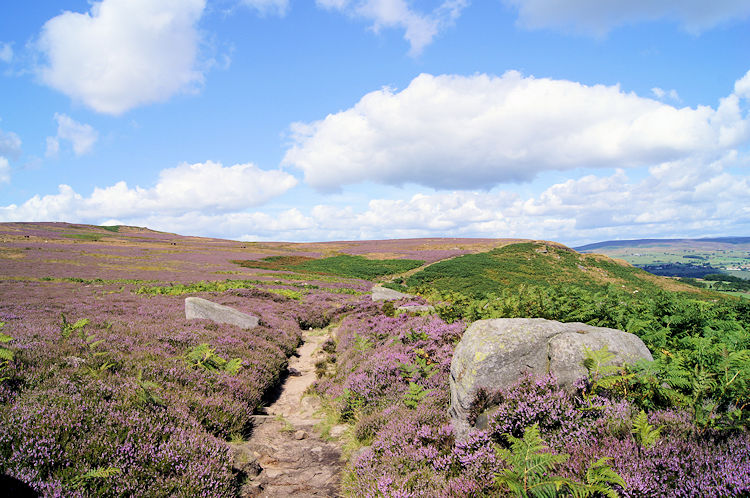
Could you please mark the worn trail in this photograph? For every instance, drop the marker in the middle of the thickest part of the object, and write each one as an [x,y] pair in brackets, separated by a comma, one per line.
[285,456]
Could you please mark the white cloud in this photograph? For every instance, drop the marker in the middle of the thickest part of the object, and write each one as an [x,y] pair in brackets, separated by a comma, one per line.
[81,136]
[123,53]
[419,29]
[456,132]
[207,186]
[676,199]
[683,198]
[10,148]
[10,144]
[599,16]
[662,94]
[277,7]
[111,223]
[53,147]
[4,170]
[742,86]
[6,52]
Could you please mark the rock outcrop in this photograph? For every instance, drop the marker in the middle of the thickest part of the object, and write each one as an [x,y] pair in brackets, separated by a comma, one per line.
[494,354]
[417,308]
[195,307]
[380,293]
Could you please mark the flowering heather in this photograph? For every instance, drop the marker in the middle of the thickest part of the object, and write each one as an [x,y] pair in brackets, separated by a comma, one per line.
[100,397]
[412,452]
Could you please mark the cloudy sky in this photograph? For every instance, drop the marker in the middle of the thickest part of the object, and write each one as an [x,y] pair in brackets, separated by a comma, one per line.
[301,120]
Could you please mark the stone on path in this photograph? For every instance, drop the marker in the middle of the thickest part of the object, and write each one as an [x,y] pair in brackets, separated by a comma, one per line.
[494,354]
[196,307]
[416,308]
[380,293]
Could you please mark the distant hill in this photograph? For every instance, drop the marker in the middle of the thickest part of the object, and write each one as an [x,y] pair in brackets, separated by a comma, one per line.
[715,241]
[690,258]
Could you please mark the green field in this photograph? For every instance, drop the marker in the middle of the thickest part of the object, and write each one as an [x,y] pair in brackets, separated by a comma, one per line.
[730,255]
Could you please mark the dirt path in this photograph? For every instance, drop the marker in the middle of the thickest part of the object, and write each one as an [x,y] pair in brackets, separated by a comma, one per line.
[285,456]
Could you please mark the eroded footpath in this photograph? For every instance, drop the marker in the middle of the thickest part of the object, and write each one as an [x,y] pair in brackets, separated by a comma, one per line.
[285,456]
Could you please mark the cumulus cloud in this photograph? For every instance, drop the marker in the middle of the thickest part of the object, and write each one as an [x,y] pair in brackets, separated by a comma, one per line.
[420,29]
[123,53]
[742,86]
[682,198]
[277,7]
[457,132]
[598,17]
[675,199]
[701,199]
[207,186]
[81,136]
[6,52]
[4,170]
[10,144]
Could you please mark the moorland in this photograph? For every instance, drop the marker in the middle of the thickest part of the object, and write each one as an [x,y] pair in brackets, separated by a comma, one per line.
[106,389]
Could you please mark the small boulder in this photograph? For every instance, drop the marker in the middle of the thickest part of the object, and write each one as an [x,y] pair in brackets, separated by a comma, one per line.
[337,431]
[380,293]
[494,354]
[195,307]
[417,308]
[243,461]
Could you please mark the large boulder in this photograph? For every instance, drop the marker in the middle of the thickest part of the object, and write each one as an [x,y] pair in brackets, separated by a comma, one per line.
[494,354]
[195,307]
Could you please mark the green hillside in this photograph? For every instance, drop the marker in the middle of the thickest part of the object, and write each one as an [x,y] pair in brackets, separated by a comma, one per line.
[343,265]
[537,264]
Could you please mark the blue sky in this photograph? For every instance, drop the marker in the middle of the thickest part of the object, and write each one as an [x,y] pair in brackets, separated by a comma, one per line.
[567,120]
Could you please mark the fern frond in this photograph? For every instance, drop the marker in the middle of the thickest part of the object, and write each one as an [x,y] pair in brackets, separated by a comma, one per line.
[530,462]
[98,473]
[415,395]
[601,477]
[233,366]
[597,362]
[645,434]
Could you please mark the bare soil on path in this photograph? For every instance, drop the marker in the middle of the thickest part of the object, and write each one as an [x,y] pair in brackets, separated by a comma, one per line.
[285,456]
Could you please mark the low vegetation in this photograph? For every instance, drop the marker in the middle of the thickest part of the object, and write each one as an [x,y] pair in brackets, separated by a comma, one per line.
[613,436]
[106,393]
[343,265]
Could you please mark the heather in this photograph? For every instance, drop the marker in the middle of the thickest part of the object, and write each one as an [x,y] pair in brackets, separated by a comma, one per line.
[109,391]
[107,381]
[388,378]
[699,341]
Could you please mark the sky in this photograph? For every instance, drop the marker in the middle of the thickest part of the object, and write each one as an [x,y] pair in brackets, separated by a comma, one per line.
[310,120]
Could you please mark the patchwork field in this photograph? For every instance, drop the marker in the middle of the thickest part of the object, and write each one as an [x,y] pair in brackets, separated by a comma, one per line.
[727,254]
[106,389]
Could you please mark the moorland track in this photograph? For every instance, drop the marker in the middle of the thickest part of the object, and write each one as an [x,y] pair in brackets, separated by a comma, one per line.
[292,459]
